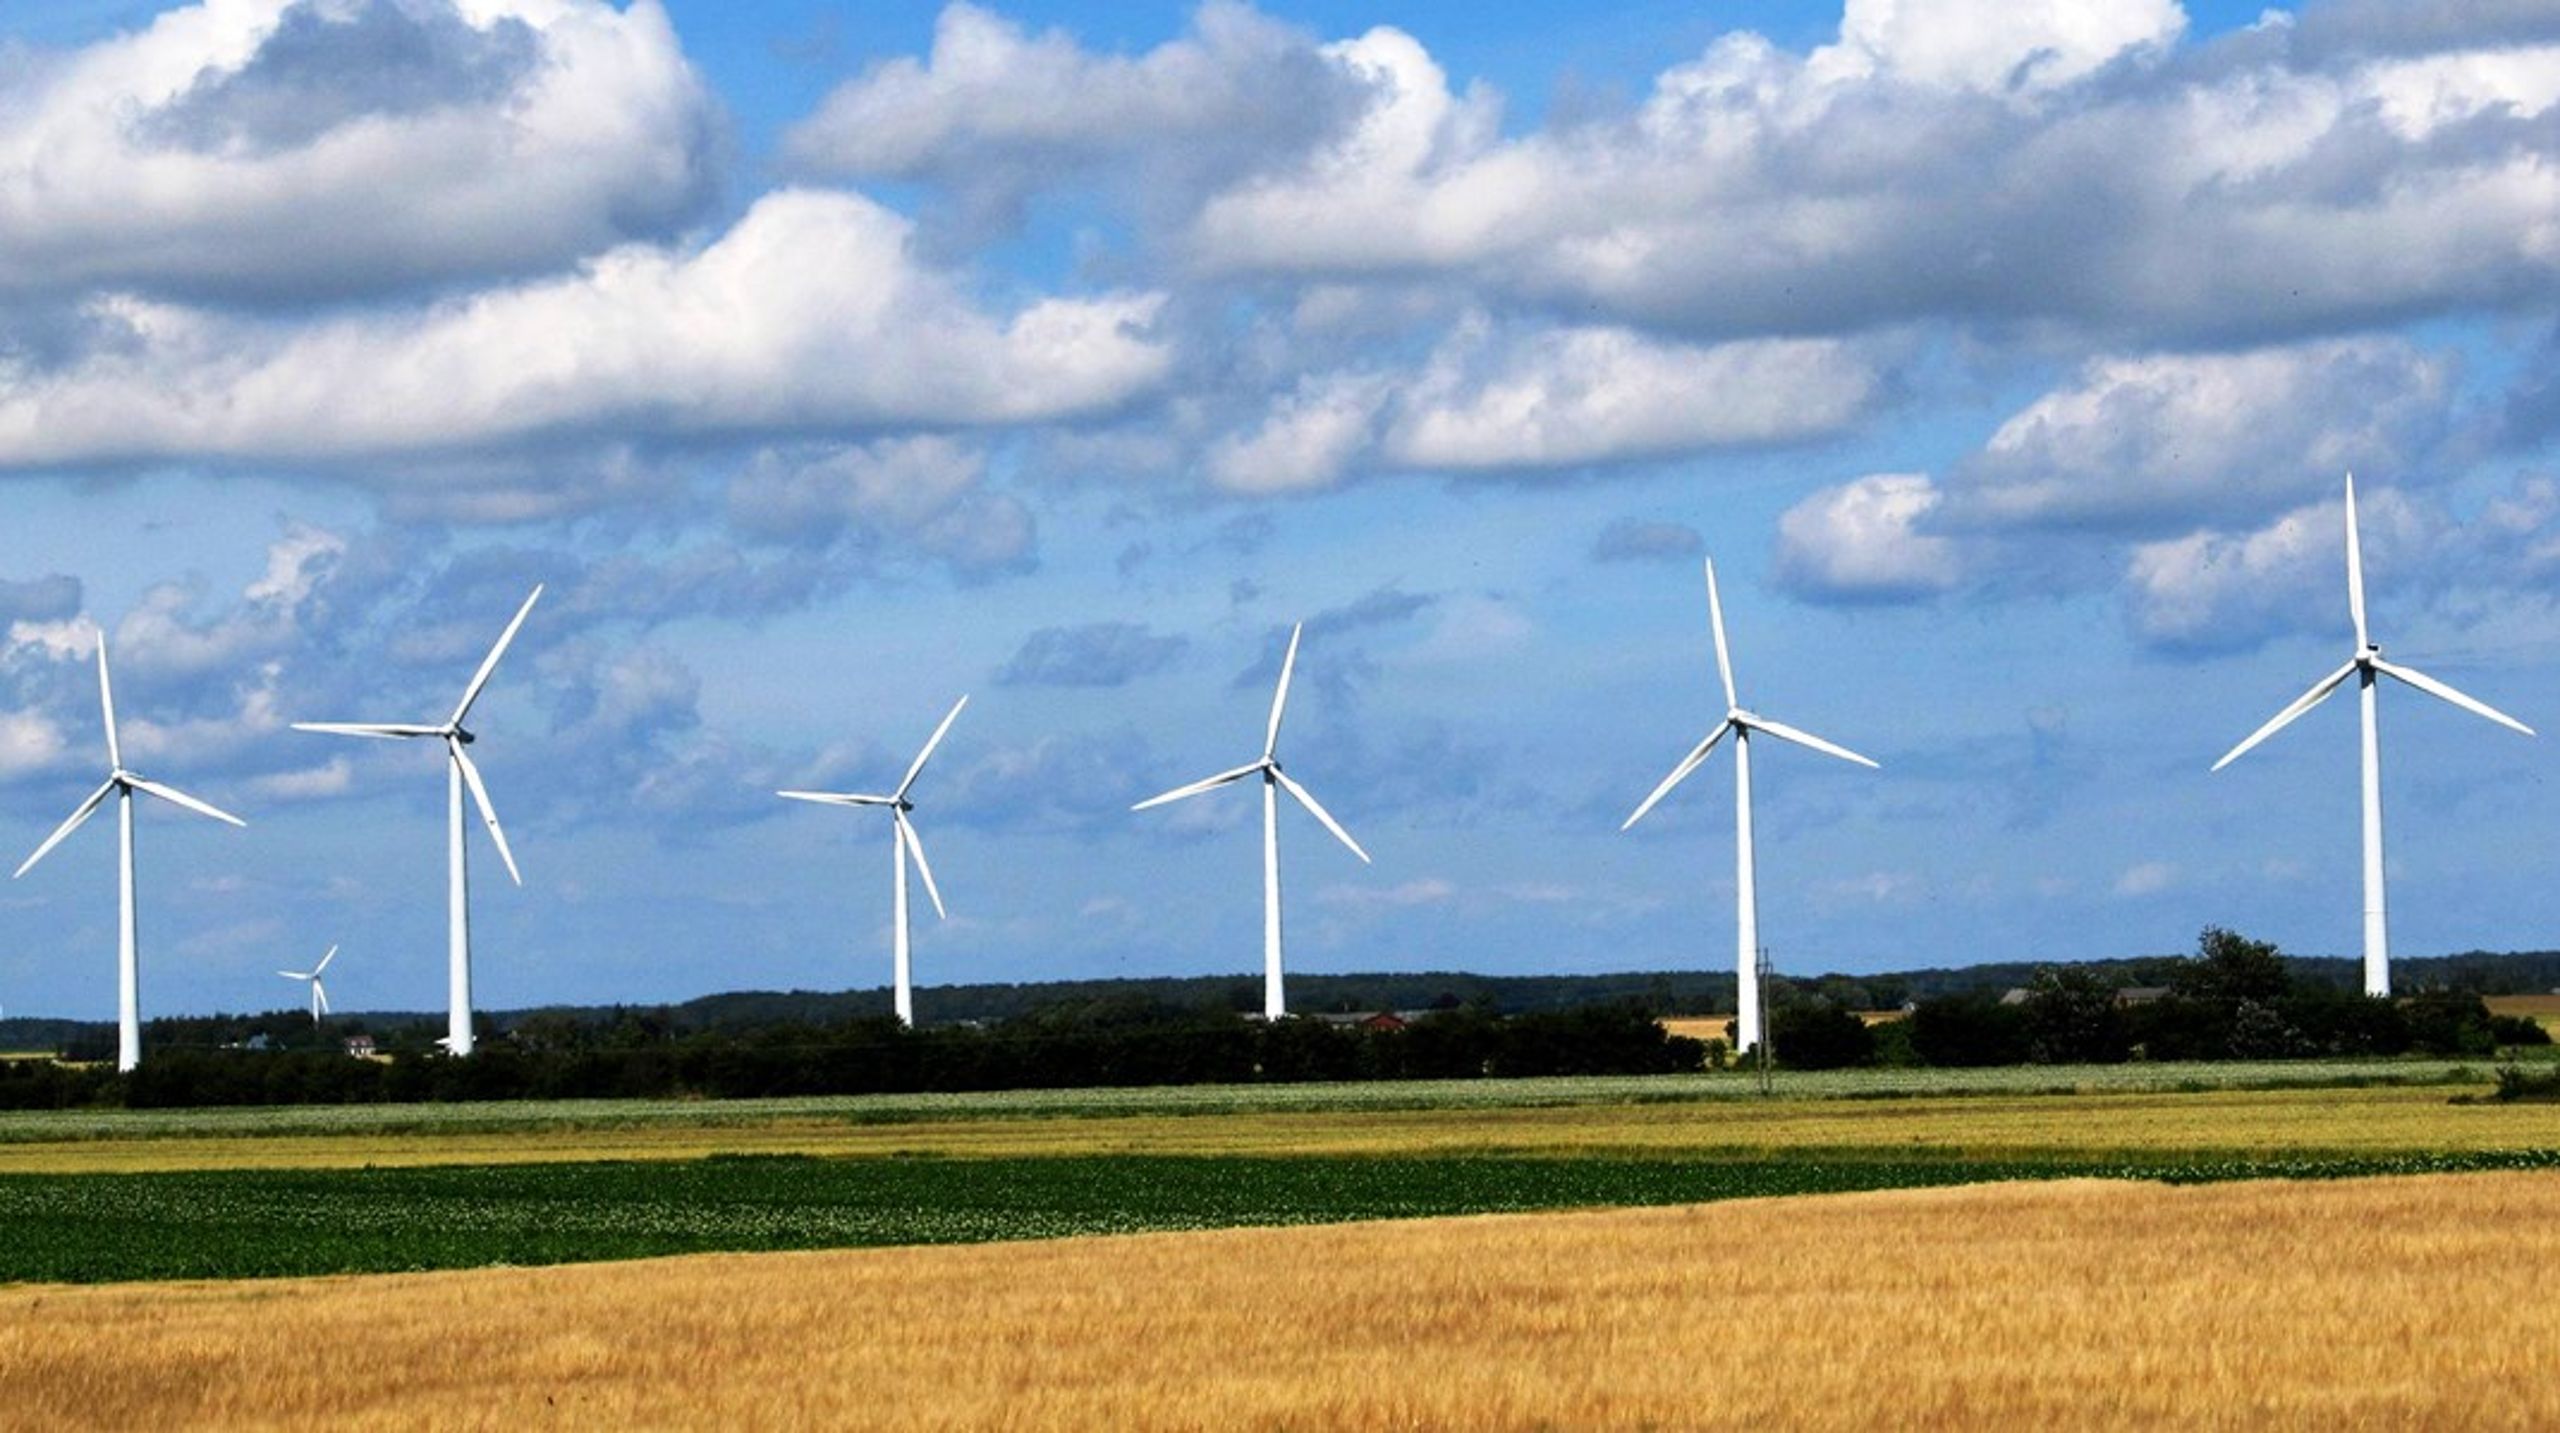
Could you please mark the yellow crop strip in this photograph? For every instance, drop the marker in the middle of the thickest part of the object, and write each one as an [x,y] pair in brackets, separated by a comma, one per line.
[2365,1121]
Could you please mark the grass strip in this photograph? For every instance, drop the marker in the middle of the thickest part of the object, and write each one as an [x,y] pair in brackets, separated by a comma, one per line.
[269,1223]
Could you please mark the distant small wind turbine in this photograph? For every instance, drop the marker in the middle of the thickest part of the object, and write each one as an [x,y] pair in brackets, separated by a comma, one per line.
[1742,724]
[121,784]
[319,993]
[460,772]
[2363,666]
[1274,780]
[903,841]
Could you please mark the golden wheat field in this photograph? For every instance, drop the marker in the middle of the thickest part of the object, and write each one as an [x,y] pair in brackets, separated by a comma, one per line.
[2419,1302]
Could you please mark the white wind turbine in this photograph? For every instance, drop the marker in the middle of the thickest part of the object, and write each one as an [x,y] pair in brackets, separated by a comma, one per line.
[1742,724]
[319,992]
[903,841]
[2364,666]
[460,772]
[121,784]
[1273,781]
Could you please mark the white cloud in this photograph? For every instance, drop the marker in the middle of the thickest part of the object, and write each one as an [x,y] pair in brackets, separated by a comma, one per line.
[994,110]
[1997,45]
[1309,439]
[2146,878]
[257,148]
[2212,588]
[811,312]
[1978,162]
[333,777]
[2138,438]
[1863,540]
[1486,401]
[1587,395]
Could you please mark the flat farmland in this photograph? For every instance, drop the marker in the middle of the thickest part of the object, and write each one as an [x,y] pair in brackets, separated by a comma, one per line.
[2544,1008]
[2409,1302]
[2362,1108]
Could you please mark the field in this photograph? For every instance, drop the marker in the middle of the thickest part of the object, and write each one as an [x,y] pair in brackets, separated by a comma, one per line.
[1964,1248]
[2545,1008]
[2409,1302]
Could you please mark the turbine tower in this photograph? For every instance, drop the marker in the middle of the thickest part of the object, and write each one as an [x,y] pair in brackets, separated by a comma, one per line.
[2364,666]
[121,784]
[1742,723]
[903,841]
[319,993]
[1274,780]
[459,773]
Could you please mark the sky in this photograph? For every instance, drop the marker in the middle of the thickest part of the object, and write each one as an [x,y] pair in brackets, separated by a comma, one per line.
[827,362]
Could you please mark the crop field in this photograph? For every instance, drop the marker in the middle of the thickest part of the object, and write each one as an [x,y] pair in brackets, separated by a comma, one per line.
[2408,1302]
[2545,1008]
[263,1223]
[2365,1119]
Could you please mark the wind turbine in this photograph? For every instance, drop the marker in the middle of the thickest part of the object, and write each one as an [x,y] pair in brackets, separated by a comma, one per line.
[1274,780]
[903,841]
[319,993]
[1742,723]
[460,772]
[121,784]
[2364,666]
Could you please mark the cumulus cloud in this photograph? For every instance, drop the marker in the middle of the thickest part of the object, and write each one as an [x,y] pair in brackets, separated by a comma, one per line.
[2212,589]
[1487,402]
[274,149]
[994,112]
[2135,439]
[1967,160]
[810,313]
[1863,540]
[1097,654]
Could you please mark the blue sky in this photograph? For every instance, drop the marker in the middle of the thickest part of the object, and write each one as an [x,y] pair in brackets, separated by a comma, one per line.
[829,362]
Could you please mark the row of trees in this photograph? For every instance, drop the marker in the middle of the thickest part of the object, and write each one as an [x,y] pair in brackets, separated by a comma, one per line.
[2235,999]
[1102,1044]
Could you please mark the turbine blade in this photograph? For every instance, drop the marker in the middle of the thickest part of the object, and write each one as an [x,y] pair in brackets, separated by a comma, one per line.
[320,996]
[915,848]
[324,962]
[296,974]
[176,797]
[1206,783]
[86,810]
[839,798]
[480,798]
[107,704]
[2435,688]
[927,754]
[1316,809]
[2312,698]
[1724,659]
[488,665]
[1680,773]
[1784,732]
[2355,566]
[381,731]
[1280,694]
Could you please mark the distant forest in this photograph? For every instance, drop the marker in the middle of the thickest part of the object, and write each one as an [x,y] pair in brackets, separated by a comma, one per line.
[1661,992]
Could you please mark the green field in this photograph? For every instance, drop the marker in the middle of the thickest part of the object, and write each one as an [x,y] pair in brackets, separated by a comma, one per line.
[266,1223]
